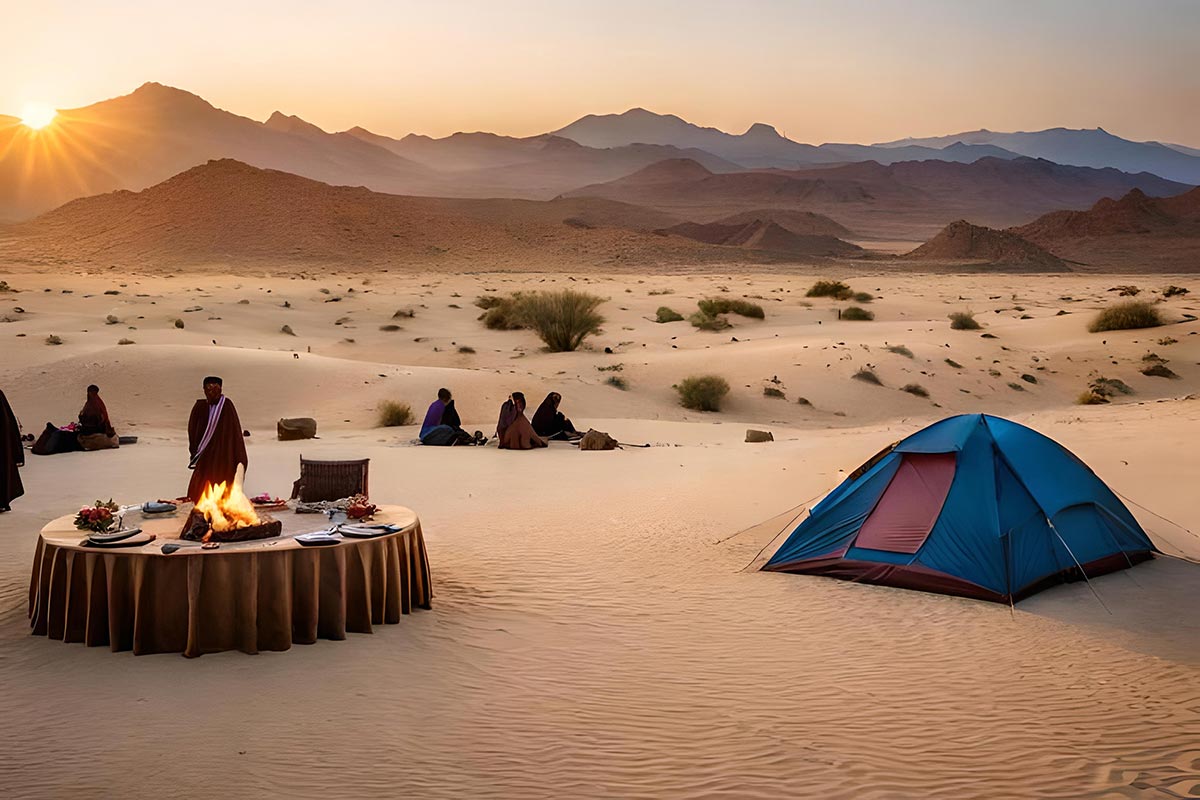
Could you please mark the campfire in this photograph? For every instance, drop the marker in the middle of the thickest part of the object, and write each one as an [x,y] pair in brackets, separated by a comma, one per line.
[224,514]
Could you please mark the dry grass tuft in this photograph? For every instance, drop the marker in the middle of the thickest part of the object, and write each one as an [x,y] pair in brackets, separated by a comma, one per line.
[702,392]
[963,321]
[1129,315]
[393,413]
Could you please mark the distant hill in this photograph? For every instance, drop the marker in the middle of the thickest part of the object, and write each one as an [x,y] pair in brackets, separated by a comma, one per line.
[536,167]
[1083,148]
[226,212]
[763,235]
[963,243]
[908,199]
[1136,231]
[805,223]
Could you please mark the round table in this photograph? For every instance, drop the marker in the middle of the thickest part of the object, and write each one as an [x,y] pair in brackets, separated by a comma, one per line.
[248,596]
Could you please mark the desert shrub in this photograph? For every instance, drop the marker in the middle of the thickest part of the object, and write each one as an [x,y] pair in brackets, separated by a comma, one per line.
[951,362]
[112,319]
[726,305]
[502,317]
[660,292]
[1090,398]
[393,413]
[386,328]
[771,391]
[915,389]
[1167,341]
[562,319]
[1125,316]
[963,321]
[179,323]
[803,401]
[862,297]
[835,289]
[1016,387]
[617,382]
[486,301]
[4,287]
[126,341]
[466,350]
[856,314]
[1109,387]
[665,314]
[900,350]
[1126,291]
[54,339]
[706,322]
[1170,291]
[867,375]
[702,392]
[1029,378]
[611,368]
[404,313]
[288,330]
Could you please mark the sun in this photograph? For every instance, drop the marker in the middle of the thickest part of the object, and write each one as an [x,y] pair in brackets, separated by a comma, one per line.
[37,115]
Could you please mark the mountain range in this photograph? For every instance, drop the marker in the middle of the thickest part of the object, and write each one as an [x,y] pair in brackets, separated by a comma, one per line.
[905,199]
[143,138]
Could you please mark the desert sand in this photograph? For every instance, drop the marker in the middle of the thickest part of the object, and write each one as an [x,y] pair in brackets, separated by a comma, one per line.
[596,631]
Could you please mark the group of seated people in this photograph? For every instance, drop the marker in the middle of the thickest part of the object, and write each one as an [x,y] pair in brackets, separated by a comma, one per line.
[443,427]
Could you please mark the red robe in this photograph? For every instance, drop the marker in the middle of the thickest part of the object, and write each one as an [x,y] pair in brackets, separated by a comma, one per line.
[225,450]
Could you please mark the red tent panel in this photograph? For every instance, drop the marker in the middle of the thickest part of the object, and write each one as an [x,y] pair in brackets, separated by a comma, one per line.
[910,505]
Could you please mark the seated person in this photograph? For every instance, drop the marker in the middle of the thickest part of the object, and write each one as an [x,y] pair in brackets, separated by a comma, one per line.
[442,426]
[95,429]
[513,427]
[548,421]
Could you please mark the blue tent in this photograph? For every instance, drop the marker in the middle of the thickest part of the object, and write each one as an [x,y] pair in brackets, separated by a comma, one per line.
[973,505]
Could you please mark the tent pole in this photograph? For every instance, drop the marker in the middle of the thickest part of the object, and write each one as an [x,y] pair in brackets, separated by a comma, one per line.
[1081,569]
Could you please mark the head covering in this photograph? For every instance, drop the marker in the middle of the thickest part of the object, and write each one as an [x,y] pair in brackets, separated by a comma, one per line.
[545,419]
[214,379]
[509,412]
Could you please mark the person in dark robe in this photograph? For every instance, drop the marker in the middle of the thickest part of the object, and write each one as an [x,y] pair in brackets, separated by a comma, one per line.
[551,423]
[214,439]
[442,426]
[513,426]
[95,428]
[12,456]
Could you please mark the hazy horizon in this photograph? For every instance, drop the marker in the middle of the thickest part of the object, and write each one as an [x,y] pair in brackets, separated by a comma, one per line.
[817,71]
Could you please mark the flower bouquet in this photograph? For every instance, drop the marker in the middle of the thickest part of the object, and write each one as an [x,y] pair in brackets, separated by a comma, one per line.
[360,508]
[97,518]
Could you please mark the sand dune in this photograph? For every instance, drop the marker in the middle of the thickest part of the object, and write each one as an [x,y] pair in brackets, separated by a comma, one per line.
[593,633]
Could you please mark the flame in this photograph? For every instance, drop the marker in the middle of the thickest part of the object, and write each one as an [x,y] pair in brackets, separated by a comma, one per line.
[226,506]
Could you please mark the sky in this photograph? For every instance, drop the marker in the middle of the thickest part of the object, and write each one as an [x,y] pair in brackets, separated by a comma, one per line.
[842,71]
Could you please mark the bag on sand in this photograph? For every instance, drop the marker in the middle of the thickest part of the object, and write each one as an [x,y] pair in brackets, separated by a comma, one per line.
[291,429]
[597,440]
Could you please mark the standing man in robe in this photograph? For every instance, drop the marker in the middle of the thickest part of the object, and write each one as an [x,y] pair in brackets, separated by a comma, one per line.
[12,455]
[214,439]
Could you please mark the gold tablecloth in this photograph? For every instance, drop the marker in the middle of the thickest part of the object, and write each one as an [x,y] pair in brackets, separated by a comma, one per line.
[248,596]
